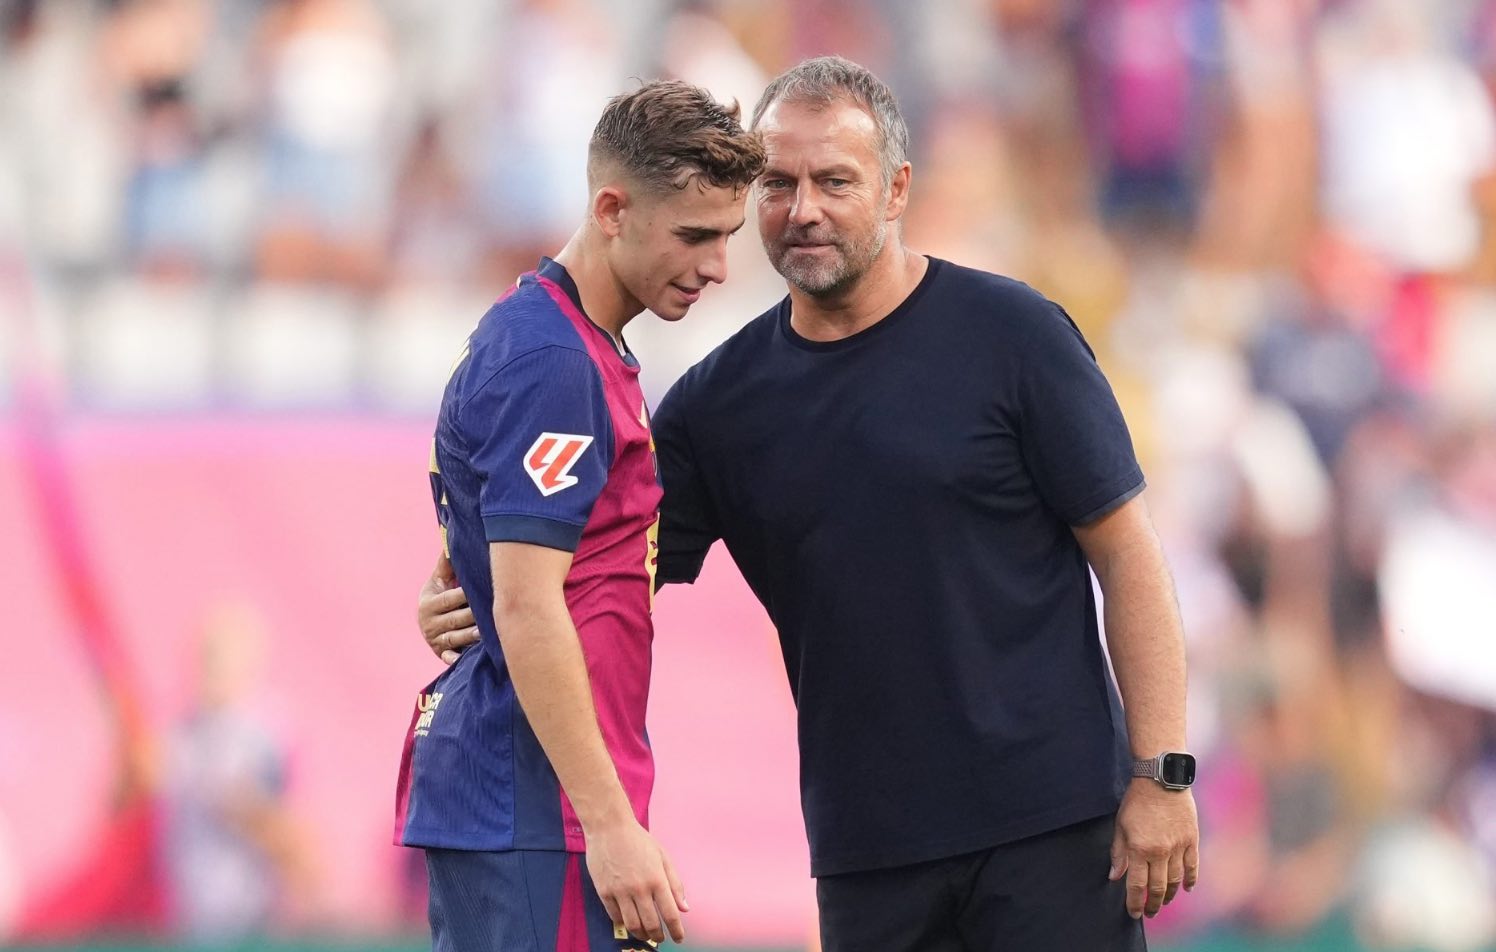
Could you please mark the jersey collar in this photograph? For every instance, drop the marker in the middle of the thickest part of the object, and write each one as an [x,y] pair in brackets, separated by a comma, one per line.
[555,272]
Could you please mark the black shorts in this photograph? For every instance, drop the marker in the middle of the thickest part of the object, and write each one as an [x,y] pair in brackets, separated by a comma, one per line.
[1047,893]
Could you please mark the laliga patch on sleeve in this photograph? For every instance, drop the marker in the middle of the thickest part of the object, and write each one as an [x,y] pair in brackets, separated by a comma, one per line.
[550,459]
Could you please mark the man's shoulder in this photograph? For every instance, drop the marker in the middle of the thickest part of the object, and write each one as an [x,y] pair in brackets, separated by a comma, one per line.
[989,294]
[749,345]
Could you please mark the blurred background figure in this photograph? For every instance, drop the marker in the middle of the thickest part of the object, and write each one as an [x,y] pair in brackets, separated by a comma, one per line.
[241,242]
[235,857]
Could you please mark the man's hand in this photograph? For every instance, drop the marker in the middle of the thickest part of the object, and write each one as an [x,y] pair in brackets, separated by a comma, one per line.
[1157,845]
[635,881]
[444,616]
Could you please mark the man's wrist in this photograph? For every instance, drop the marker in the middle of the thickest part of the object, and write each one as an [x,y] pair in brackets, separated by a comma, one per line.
[1172,769]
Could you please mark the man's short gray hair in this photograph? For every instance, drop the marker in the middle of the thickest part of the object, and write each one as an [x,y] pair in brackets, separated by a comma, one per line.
[825,79]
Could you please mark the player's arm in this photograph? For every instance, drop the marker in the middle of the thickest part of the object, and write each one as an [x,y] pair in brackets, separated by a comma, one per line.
[1156,844]
[631,872]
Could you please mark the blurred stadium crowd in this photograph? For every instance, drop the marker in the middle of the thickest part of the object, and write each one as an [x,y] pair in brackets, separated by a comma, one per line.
[1274,219]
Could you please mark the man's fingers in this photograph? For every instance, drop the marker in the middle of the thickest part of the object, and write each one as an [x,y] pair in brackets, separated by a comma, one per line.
[1191,867]
[1137,887]
[450,600]
[1158,885]
[1175,877]
[449,657]
[457,639]
[460,619]
[664,900]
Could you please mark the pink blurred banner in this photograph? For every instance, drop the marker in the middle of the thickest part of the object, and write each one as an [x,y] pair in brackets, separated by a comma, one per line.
[325,528]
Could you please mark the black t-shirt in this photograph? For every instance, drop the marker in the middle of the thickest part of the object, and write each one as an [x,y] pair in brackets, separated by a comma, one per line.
[901,503]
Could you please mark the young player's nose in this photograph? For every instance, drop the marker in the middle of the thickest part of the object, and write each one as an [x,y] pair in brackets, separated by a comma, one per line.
[713,267]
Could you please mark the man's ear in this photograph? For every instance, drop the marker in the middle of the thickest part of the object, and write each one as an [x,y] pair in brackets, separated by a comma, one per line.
[898,191]
[609,204]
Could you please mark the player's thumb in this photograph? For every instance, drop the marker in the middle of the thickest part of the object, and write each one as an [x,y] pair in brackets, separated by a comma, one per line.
[443,571]
[676,888]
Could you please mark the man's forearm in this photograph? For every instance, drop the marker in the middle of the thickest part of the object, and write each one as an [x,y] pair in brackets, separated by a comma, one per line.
[1146,641]
[545,661]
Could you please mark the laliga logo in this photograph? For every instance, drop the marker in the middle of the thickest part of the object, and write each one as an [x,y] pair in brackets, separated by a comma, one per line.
[550,459]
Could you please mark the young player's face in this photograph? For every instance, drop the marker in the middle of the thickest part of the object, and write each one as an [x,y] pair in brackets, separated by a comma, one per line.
[823,210]
[675,244]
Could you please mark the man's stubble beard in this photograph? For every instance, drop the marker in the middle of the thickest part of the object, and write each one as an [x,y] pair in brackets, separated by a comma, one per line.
[831,278]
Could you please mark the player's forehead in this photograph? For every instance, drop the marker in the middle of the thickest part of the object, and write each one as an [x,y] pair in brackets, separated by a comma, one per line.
[808,136]
[703,206]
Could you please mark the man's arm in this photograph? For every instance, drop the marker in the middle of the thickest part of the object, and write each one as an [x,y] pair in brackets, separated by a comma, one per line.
[1157,840]
[631,872]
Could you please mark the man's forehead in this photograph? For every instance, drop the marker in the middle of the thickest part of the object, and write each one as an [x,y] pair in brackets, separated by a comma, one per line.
[837,127]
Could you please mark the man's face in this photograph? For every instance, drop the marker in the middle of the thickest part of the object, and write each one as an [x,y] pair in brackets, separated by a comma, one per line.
[673,245]
[823,209]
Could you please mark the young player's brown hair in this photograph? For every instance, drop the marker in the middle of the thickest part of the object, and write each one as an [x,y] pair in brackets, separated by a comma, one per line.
[668,133]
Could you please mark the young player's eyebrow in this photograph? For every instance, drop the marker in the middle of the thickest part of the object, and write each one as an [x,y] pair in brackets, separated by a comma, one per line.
[702,233]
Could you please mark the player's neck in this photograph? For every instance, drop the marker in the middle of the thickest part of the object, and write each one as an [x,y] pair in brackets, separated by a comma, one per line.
[604,300]
[891,279]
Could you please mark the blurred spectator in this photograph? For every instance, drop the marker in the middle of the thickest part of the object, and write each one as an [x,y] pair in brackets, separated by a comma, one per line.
[435,237]
[1408,132]
[233,855]
[1316,353]
[535,108]
[328,77]
[1143,62]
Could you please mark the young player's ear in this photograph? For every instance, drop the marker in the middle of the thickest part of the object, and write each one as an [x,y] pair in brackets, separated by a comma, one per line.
[608,206]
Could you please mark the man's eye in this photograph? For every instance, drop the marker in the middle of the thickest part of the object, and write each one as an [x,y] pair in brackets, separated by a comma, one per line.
[775,183]
[838,182]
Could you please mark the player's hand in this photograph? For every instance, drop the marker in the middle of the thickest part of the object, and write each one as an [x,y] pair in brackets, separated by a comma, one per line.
[636,882]
[444,616]
[1156,846]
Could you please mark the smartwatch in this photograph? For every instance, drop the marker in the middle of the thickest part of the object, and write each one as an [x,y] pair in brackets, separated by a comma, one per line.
[1172,769]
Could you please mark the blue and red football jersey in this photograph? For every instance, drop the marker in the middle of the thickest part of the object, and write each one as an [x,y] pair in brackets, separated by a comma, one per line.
[543,437]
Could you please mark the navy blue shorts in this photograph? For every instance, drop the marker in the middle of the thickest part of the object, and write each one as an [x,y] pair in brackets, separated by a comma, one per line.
[1047,893]
[518,901]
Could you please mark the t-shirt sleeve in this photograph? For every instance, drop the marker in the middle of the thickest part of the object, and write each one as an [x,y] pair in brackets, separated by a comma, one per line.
[1075,442]
[541,441]
[688,520]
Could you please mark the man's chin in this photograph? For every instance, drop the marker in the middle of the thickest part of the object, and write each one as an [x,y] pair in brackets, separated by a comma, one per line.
[816,282]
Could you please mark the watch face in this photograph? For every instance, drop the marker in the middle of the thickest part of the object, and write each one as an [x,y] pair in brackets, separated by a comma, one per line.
[1177,770]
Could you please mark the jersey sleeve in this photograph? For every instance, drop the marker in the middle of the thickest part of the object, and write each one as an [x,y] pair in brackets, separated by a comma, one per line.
[1074,440]
[688,520]
[541,442]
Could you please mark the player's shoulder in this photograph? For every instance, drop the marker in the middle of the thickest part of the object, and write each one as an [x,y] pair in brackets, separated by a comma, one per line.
[522,334]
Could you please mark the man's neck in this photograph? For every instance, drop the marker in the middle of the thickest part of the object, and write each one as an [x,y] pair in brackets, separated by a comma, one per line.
[892,278]
[603,298]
